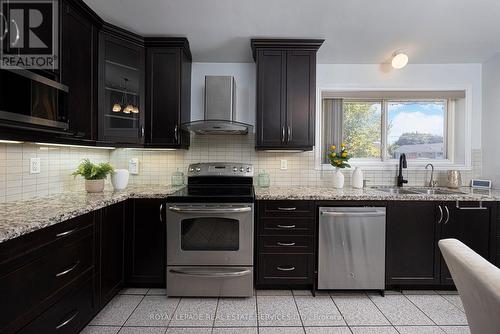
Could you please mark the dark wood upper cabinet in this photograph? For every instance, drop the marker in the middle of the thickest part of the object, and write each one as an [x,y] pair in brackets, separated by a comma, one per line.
[168,87]
[121,84]
[469,224]
[412,255]
[79,69]
[286,93]
[145,243]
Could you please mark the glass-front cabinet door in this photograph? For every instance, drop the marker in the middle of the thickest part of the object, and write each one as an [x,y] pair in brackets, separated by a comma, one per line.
[121,90]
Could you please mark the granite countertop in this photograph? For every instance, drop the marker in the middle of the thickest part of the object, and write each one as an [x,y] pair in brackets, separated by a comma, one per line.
[25,216]
[21,217]
[369,194]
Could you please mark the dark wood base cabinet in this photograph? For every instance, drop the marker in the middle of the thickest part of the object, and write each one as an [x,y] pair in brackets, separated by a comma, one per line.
[413,230]
[285,251]
[145,243]
[57,278]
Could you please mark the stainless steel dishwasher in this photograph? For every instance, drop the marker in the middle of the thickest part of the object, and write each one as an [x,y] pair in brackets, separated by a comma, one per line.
[351,248]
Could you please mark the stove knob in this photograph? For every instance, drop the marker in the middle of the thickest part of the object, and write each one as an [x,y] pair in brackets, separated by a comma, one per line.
[191,169]
[248,169]
[242,169]
[235,169]
[198,169]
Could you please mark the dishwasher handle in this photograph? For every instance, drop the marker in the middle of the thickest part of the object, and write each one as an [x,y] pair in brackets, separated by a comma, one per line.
[374,213]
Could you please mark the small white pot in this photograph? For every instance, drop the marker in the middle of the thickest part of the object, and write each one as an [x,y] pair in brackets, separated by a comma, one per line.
[338,179]
[94,186]
[119,179]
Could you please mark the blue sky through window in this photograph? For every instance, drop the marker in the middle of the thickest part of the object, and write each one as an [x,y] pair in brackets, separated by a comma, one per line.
[420,117]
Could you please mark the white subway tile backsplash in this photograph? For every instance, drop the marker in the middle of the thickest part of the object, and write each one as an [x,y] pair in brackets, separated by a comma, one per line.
[156,167]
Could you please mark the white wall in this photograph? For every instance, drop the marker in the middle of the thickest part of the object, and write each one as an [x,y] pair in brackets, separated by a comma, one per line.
[491,120]
[333,76]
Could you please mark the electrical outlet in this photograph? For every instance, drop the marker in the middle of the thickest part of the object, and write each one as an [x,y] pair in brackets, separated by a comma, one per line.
[284,164]
[35,166]
[133,166]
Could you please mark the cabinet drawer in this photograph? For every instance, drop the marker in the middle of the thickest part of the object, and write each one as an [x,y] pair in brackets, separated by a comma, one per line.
[33,283]
[285,268]
[69,314]
[61,232]
[286,209]
[286,226]
[286,244]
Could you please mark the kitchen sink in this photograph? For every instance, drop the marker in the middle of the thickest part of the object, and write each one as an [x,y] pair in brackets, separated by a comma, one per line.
[396,190]
[434,191]
[416,191]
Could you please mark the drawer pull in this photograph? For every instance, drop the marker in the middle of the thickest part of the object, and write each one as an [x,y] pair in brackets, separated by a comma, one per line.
[286,226]
[67,321]
[62,234]
[285,268]
[287,209]
[287,244]
[67,271]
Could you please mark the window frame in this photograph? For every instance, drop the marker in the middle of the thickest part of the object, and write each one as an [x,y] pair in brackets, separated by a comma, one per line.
[386,163]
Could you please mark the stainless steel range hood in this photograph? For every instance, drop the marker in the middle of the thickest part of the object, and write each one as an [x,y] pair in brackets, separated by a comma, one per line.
[220,102]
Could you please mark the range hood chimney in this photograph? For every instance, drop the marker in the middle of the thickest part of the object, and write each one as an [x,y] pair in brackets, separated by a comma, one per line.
[220,102]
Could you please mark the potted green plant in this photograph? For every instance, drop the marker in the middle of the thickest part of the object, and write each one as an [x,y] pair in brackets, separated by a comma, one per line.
[94,174]
[339,160]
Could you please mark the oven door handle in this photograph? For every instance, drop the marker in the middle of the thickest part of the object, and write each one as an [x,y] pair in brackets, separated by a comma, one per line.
[210,273]
[205,210]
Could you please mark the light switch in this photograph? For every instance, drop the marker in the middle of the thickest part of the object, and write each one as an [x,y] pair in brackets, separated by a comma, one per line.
[133,166]
[35,166]
[284,164]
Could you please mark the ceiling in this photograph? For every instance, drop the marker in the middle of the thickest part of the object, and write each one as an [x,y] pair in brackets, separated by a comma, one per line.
[356,31]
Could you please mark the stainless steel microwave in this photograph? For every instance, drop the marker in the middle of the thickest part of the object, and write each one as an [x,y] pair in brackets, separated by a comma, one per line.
[29,99]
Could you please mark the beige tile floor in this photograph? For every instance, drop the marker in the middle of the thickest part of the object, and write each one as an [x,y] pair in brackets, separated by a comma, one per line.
[150,311]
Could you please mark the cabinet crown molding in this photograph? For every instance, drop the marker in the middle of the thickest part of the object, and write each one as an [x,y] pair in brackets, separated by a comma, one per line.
[173,42]
[284,44]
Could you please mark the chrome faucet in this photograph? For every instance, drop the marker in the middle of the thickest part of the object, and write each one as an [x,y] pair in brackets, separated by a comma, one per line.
[402,164]
[431,183]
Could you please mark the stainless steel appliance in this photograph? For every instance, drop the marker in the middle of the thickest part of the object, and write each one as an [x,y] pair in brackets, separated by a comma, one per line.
[28,100]
[210,232]
[220,109]
[351,248]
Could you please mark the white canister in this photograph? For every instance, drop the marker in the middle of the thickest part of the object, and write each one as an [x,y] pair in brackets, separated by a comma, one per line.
[357,178]
[119,179]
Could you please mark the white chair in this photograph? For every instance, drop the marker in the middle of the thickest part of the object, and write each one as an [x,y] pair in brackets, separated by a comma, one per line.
[477,282]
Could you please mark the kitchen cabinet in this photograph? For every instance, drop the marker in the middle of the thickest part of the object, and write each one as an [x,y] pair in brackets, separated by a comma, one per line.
[146,243]
[168,87]
[285,244]
[286,93]
[121,87]
[79,69]
[43,270]
[112,232]
[412,233]
[468,223]
[414,229]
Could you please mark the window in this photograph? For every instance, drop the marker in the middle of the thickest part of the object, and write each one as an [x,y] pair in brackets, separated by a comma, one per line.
[417,129]
[362,128]
[380,126]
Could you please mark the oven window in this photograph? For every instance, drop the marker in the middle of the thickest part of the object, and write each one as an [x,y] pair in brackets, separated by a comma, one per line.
[210,234]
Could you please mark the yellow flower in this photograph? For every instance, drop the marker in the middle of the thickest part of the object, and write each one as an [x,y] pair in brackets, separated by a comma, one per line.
[343,145]
[344,154]
[333,147]
[334,154]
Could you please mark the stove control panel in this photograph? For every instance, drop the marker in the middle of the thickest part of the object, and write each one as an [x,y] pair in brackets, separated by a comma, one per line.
[220,169]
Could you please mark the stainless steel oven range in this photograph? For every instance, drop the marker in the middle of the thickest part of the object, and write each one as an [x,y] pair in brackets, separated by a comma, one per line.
[210,232]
